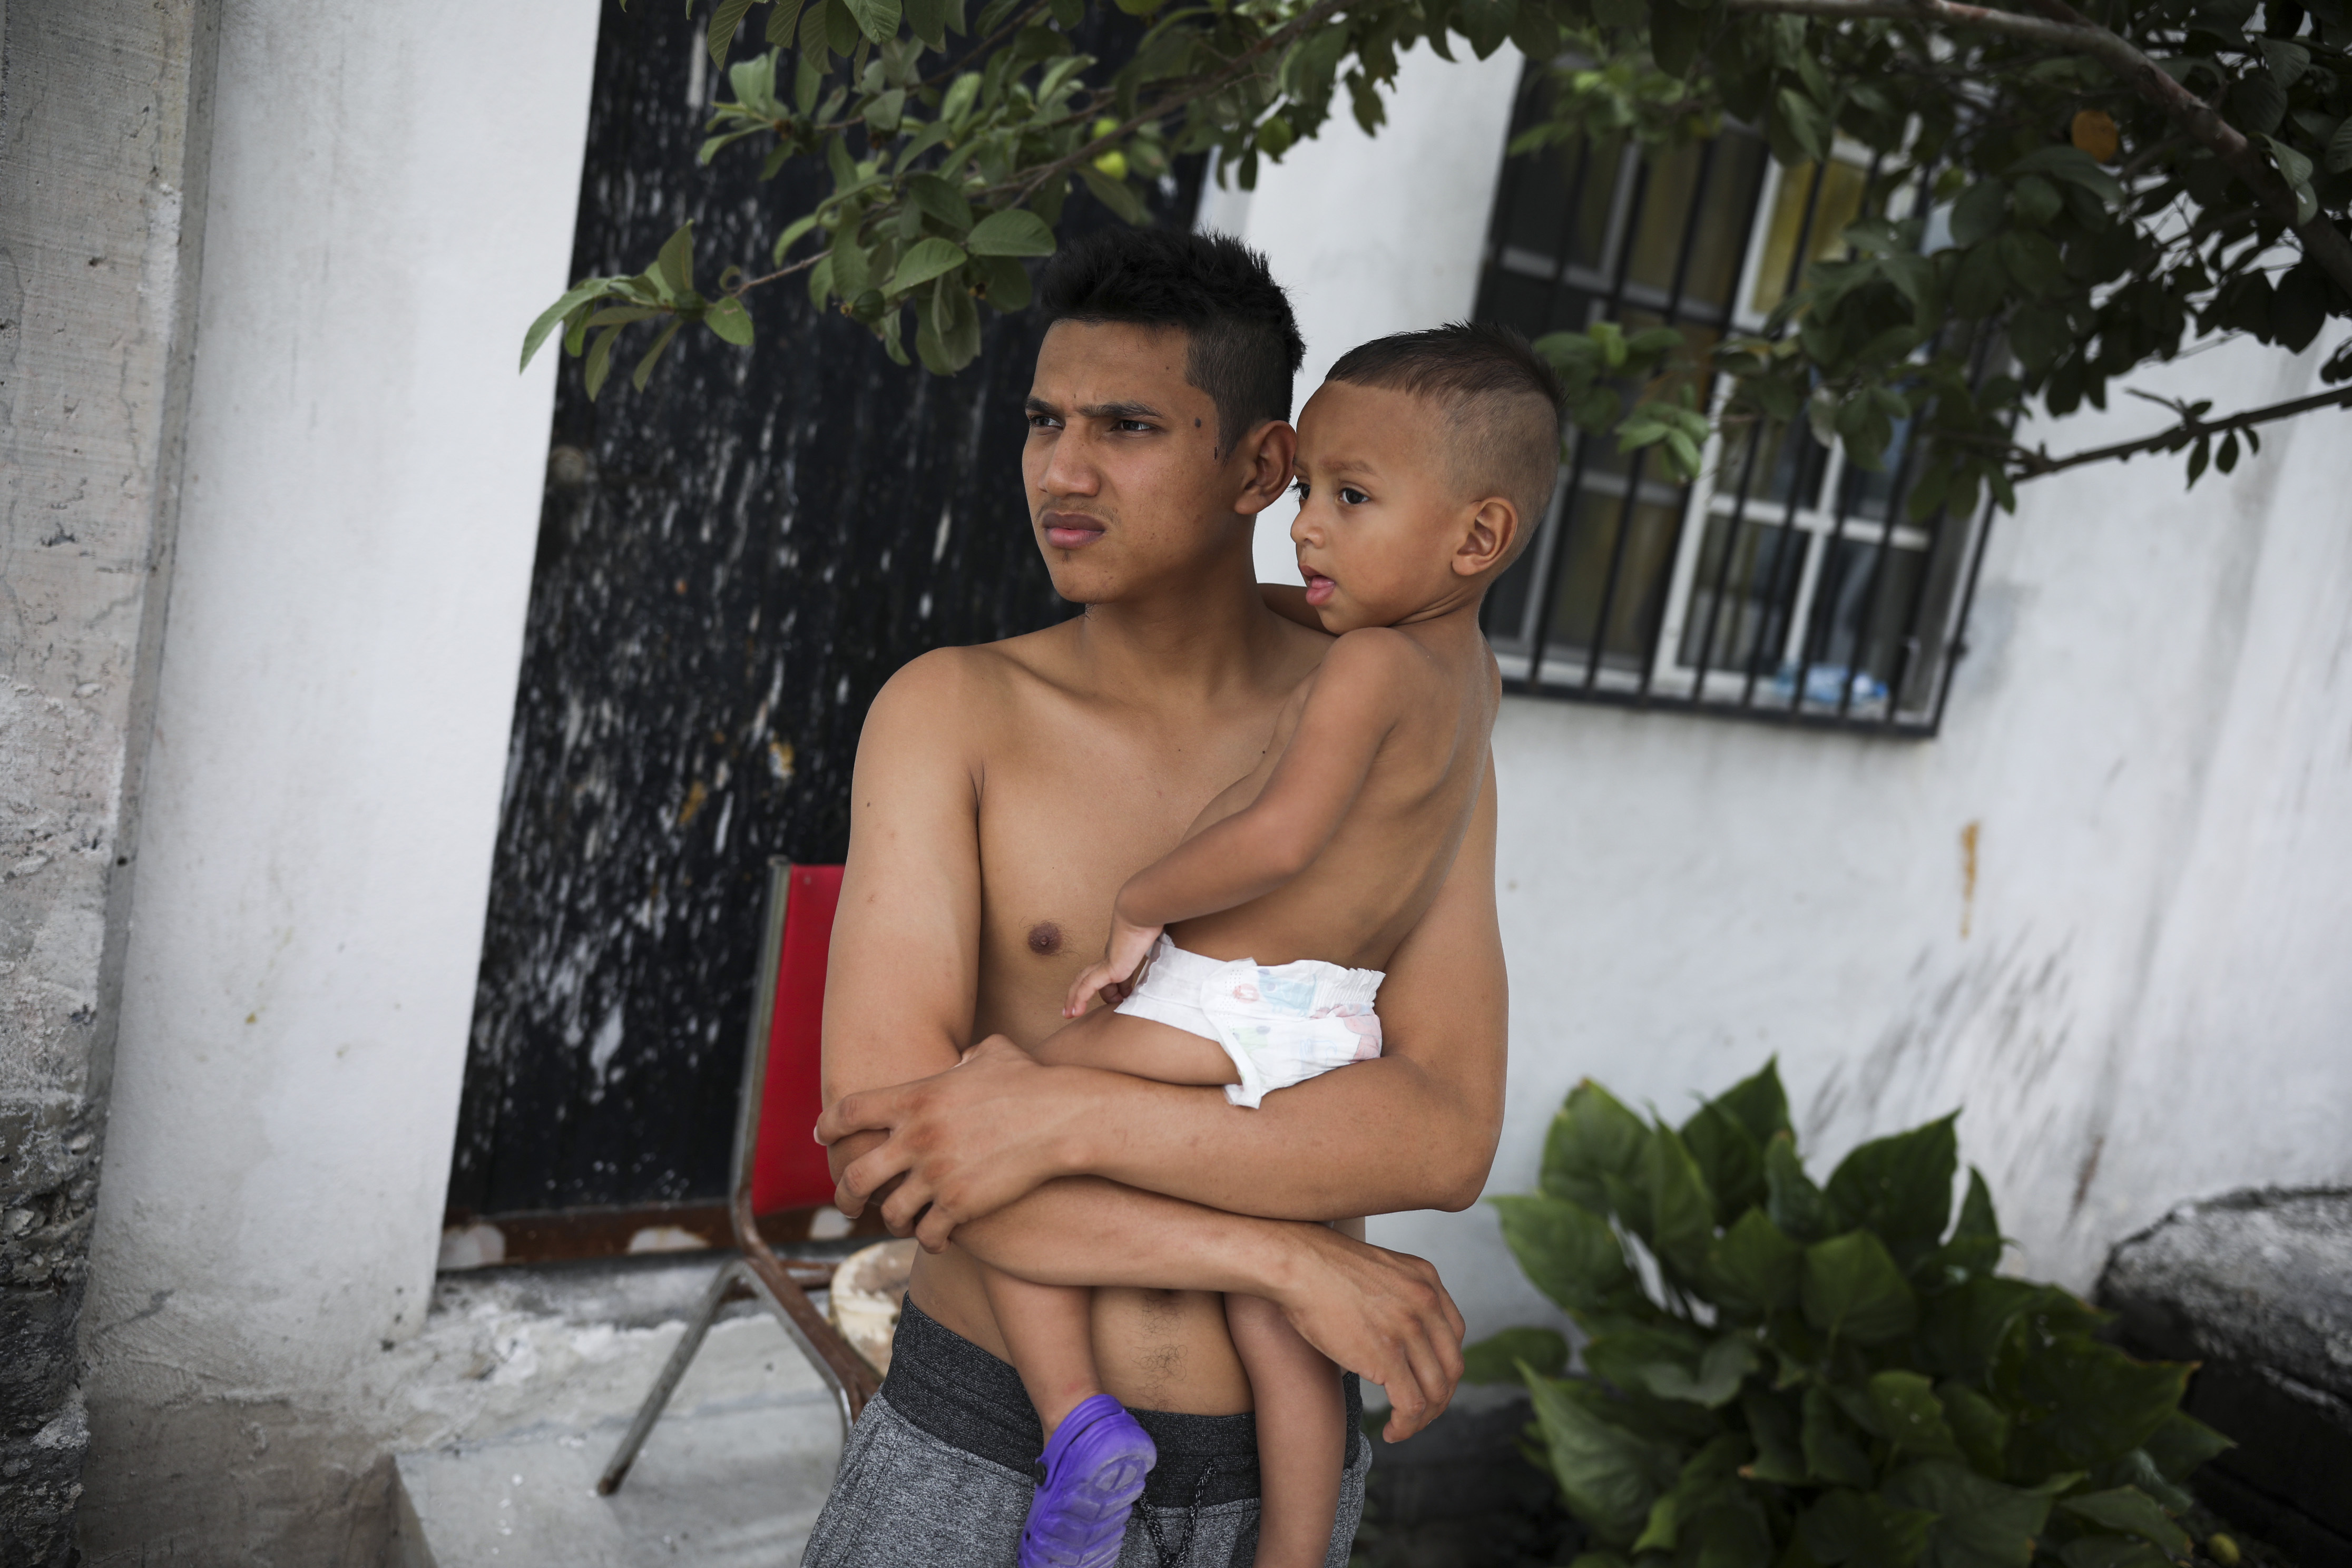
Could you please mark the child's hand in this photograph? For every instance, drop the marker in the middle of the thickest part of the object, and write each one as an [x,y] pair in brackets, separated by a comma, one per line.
[1114,978]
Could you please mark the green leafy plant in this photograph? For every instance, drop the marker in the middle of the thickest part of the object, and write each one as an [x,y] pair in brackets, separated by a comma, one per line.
[1797,1374]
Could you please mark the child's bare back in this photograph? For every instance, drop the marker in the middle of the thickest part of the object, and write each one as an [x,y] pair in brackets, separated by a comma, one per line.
[1392,729]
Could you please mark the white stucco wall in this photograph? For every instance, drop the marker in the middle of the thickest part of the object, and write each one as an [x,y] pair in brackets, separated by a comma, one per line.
[2141,1002]
[391,198]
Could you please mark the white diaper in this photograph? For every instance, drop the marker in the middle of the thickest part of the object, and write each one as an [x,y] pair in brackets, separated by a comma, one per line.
[1280,1026]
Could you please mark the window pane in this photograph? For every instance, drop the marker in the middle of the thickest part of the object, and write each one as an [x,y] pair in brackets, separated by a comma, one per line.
[1856,616]
[1665,213]
[1840,205]
[1541,183]
[1745,617]
[1791,465]
[1722,242]
[1642,575]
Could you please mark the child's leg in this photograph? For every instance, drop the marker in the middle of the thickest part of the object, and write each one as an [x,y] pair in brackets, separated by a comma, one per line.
[1142,1047]
[1303,1443]
[1049,1329]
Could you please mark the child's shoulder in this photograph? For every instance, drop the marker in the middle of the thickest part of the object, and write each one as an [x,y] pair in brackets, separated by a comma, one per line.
[1381,662]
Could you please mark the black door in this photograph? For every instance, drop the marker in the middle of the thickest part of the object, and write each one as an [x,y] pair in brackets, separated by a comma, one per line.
[729,565]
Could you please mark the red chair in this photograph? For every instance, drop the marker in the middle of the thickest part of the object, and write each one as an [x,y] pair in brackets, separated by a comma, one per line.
[778,1165]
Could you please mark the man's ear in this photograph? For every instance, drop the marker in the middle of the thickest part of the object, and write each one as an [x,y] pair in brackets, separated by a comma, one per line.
[1267,454]
[1486,543]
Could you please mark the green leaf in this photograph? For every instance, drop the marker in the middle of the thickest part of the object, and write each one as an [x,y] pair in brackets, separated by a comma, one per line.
[1608,1476]
[1681,1220]
[2182,1444]
[1978,216]
[2131,1512]
[2076,167]
[646,365]
[1567,1251]
[1775,1429]
[1012,232]
[1115,195]
[1755,1265]
[1796,1206]
[731,321]
[1975,1243]
[1721,1369]
[1730,1160]
[927,20]
[1979,1524]
[725,17]
[1865,1529]
[579,294]
[2339,147]
[1007,284]
[940,199]
[2033,260]
[784,22]
[1592,1136]
[2034,201]
[816,33]
[1757,1103]
[2078,1403]
[1804,122]
[600,361]
[1832,1452]
[1498,1358]
[1486,22]
[924,260]
[2297,169]
[1910,1416]
[877,20]
[676,262]
[1962,1329]
[2287,60]
[1980,1426]
[2257,104]
[1900,1187]
[1852,1288]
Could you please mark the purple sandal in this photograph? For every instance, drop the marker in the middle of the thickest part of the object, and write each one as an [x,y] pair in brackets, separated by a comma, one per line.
[1095,1465]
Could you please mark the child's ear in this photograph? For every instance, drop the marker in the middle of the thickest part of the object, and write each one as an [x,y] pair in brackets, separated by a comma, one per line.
[1486,543]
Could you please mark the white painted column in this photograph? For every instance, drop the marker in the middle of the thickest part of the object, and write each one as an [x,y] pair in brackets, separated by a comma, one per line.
[392,200]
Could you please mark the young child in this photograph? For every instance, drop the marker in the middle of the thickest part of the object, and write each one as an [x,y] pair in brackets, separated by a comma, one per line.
[1250,955]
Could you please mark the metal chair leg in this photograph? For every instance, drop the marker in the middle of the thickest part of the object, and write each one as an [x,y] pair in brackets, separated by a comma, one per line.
[682,1357]
[843,1405]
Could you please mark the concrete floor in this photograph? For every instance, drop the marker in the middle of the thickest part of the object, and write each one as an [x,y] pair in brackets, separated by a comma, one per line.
[734,1473]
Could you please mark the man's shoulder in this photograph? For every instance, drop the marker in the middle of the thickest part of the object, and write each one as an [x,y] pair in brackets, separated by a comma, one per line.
[980,685]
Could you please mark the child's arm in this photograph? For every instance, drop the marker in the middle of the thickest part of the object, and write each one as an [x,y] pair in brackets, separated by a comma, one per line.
[1357,697]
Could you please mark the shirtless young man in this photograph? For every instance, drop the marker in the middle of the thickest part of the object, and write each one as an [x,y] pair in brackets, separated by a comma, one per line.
[1003,796]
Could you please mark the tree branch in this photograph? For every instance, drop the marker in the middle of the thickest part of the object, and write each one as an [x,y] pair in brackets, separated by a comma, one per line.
[1199,89]
[2062,28]
[2033,464]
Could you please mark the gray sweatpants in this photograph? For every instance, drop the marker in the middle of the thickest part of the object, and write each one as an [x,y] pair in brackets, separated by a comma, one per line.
[930,1475]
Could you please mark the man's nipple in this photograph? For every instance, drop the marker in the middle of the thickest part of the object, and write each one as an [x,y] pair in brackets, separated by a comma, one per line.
[1044,939]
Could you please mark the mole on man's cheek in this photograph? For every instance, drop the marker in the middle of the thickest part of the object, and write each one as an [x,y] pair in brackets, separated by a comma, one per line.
[1044,939]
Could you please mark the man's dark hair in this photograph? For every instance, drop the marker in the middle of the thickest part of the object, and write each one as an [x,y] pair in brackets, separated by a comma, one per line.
[1501,398]
[1245,343]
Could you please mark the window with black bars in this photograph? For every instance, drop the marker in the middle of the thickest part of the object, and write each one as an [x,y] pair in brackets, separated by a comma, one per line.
[1785,583]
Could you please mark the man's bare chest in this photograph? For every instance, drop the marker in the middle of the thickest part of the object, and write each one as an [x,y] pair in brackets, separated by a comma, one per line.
[1061,828]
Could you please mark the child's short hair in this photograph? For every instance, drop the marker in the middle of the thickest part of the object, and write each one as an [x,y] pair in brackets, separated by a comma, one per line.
[1501,398]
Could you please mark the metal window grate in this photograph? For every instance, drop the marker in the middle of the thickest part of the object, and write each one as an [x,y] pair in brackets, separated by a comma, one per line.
[1786,584]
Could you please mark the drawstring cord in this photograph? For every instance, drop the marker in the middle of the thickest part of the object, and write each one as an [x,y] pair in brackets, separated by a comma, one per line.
[1192,1522]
